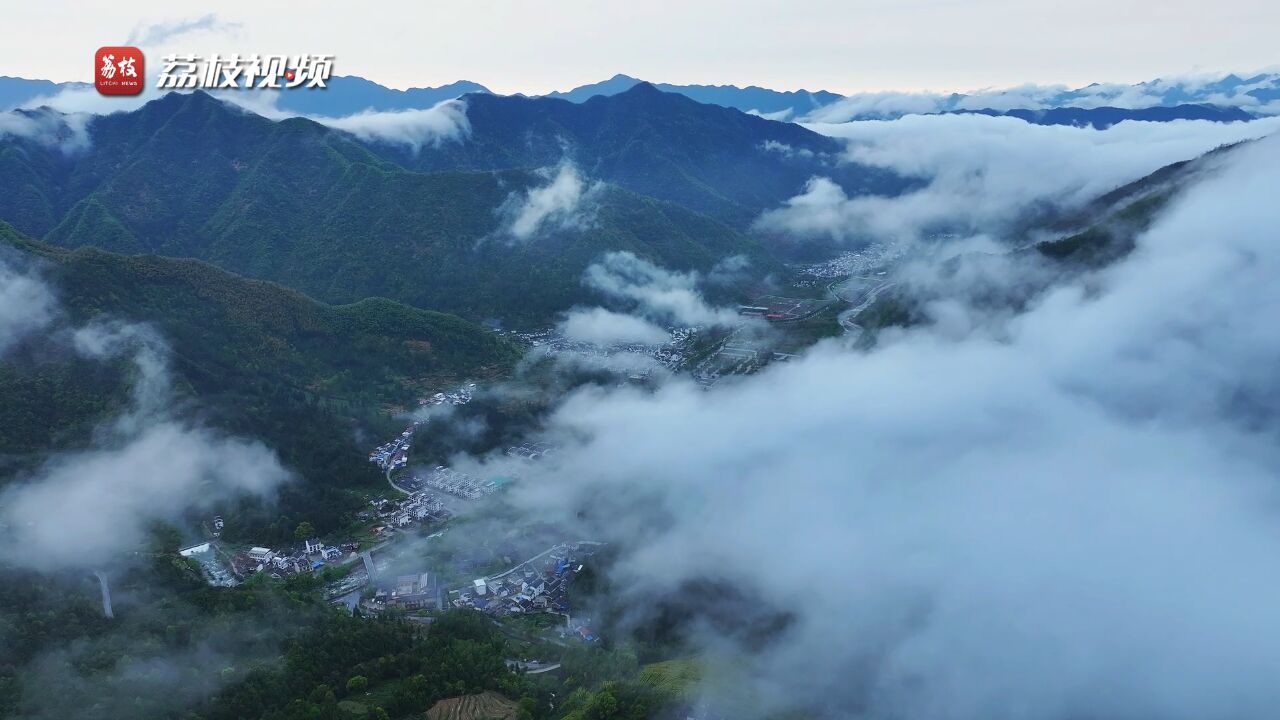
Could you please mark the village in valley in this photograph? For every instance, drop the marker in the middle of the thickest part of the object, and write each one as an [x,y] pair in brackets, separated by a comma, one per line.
[423,544]
[377,572]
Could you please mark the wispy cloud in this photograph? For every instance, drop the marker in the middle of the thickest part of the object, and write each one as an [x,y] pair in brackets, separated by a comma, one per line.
[562,203]
[414,129]
[89,507]
[655,292]
[444,122]
[68,132]
[599,326]
[785,150]
[26,305]
[158,34]
[779,115]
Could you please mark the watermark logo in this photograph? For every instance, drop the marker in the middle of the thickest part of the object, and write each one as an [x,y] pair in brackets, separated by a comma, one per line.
[234,72]
[118,70]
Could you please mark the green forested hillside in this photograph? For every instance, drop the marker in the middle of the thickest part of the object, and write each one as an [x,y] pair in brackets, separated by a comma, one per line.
[178,648]
[254,358]
[312,208]
[1107,227]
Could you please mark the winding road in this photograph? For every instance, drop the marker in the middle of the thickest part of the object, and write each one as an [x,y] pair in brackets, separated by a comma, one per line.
[393,484]
[848,317]
[532,668]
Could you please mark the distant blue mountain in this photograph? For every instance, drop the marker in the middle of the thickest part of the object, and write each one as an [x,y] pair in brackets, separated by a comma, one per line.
[746,99]
[15,91]
[349,94]
[1230,90]
[1104,117]
[345,95]
[1226,99]
[1174,93]
[613,86]
[1253,95]
[1257,95]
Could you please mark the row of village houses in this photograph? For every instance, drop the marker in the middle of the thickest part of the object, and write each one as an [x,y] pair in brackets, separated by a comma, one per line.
[312,556]
[526,588]
[418,507]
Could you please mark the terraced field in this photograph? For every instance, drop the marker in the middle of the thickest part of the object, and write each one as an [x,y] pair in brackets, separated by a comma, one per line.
[675,679]
[487,705]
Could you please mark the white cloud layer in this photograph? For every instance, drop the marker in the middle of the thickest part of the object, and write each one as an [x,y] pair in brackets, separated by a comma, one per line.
[1074,516]
[982,171]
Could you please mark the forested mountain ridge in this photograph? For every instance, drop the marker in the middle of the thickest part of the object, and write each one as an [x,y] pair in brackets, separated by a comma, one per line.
[1106,229]
[712,159]
[747,99]
[313,208]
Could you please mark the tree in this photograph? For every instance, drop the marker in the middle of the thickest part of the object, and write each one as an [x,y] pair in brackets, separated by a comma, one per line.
[357,684]
[603,706]
[304,531]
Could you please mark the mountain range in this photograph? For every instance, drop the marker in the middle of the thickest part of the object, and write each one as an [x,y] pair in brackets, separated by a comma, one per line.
[186,213]
[1235,97]
[16,91]
[294,201]
[498,220]
[1102,118]
[751,99]
[715,160]
[1256,94]
[303,276]
[351,94]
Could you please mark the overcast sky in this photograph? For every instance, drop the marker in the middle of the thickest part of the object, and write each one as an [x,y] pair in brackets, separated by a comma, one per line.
[536,46]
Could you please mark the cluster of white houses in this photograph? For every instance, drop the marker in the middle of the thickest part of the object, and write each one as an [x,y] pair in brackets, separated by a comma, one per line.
[461,396]
[457,483]
[410,592]
[537,585]
[310,557]
[420,507]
